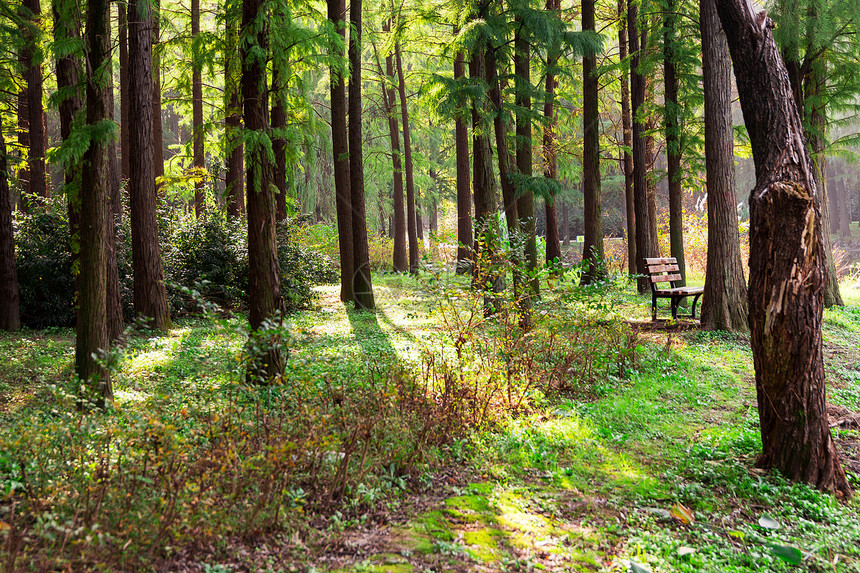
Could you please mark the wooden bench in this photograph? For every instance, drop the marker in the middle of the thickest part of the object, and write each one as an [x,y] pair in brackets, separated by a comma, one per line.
[666,270]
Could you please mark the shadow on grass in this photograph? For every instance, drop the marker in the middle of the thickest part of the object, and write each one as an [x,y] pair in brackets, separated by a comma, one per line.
[375,343]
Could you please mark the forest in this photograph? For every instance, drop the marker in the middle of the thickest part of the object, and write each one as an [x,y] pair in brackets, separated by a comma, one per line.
[471,285]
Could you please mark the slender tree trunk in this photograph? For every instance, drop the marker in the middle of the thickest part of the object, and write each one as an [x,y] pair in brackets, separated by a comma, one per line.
[592,249]
[724,304]
[411,206]
[844,209]
[124,96]
[787,271]
[233,183]
[37,139]
[627,161]
[197,112]
[525,197]
[503,155]
[645,246]
[264,283]
[814,87]
[553,245]
[10,301]
[673,138]
[464,192]
[400,262]
[92,325]
[23,171]
[150,297]
[279,144]
[343,202]
[157,129]
[565,222]
[361,282]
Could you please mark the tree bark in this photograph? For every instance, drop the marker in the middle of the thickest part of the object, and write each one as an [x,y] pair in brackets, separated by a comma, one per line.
[197,112]
[673,138]
[400,257]
[592,249]
[157,128]
[279,144]
[340,151]
[627,161]
[724,303]
[844,209]
[92,327]
[565,222]
[264,283]
[361,280]
[787,271]
[645,226]
[233,183]
[124,96]
[525,197]
[10,300]
[411,207]
[464,192]
[150,296]
[553,245]
[37,135]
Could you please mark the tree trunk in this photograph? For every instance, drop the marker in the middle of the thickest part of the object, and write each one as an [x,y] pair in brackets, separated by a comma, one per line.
[233,182]
[565,222]
[197,112]
[361,283]
[264,283]
[464,192]
[592,249]
[525,197]
[645,246]
[627,161]
[503,156]
[157,129]
[91,338]
[37,140]
[844,209]
[150,297]
[787,271]
[124,96]
[724,304]
[673,139]
[279,144]
[343,202]
[10,301]
[411,207]
[400,262]
[553,245]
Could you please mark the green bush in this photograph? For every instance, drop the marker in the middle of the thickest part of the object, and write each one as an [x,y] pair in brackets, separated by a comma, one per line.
[302,267]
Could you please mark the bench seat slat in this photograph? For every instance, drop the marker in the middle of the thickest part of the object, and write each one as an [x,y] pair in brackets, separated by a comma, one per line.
[664,278]
[661,261]
[679,291]
[663,268]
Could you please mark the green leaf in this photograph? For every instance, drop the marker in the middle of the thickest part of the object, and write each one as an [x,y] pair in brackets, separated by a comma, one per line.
[768,522]
[787,553]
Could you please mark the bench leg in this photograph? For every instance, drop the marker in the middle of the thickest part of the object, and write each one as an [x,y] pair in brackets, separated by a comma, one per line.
[653,308]
[675,302]
[695,300]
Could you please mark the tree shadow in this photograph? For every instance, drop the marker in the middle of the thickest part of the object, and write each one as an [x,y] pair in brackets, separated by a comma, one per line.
[375,343]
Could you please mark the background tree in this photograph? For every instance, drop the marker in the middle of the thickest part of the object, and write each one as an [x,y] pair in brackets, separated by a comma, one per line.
[31,111]
[627,138]
[464,191]
[412,222]
[233,179]
[10,305]
[671,83]
[197,129]
[592,249]
[787,269]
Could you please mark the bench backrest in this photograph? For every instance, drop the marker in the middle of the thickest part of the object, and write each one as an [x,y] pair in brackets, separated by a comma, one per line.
[662,270]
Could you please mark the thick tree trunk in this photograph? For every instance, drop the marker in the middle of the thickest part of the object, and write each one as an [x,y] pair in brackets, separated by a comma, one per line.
[197,112]
[340,151]
[553,245]
[645,246]
[724,304]
[411,201]
[627,161]
[264,282]
[464,191]
[10,301]
[233,182]
[361,282]
[37,135]
[124,96]
[592,249]
[787,271]
[279,144]
[400,257]
[672,85]
[150,297]
[525,197]
[92,327]
[157,128]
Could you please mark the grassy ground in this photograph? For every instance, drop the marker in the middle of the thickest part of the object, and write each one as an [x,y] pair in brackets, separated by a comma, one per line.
[636,449]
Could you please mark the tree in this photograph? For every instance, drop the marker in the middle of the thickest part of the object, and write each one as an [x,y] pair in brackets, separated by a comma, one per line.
[464,193]
[233,179]
[340,151]
[124,97]
[279,144]
[787,269]
[553,244]
[362,285]
[92,326]
[155,65]
[199,160]
[10,302]
[150,296]
[592,249]
[627,157]
[264,285]
[724,306]
[412,225]
[32,112]
[673,137]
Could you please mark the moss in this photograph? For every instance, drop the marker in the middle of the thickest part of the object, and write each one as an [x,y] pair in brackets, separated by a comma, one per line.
[484,544]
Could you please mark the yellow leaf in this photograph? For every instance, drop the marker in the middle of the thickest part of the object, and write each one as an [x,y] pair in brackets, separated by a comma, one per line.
[683,514]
